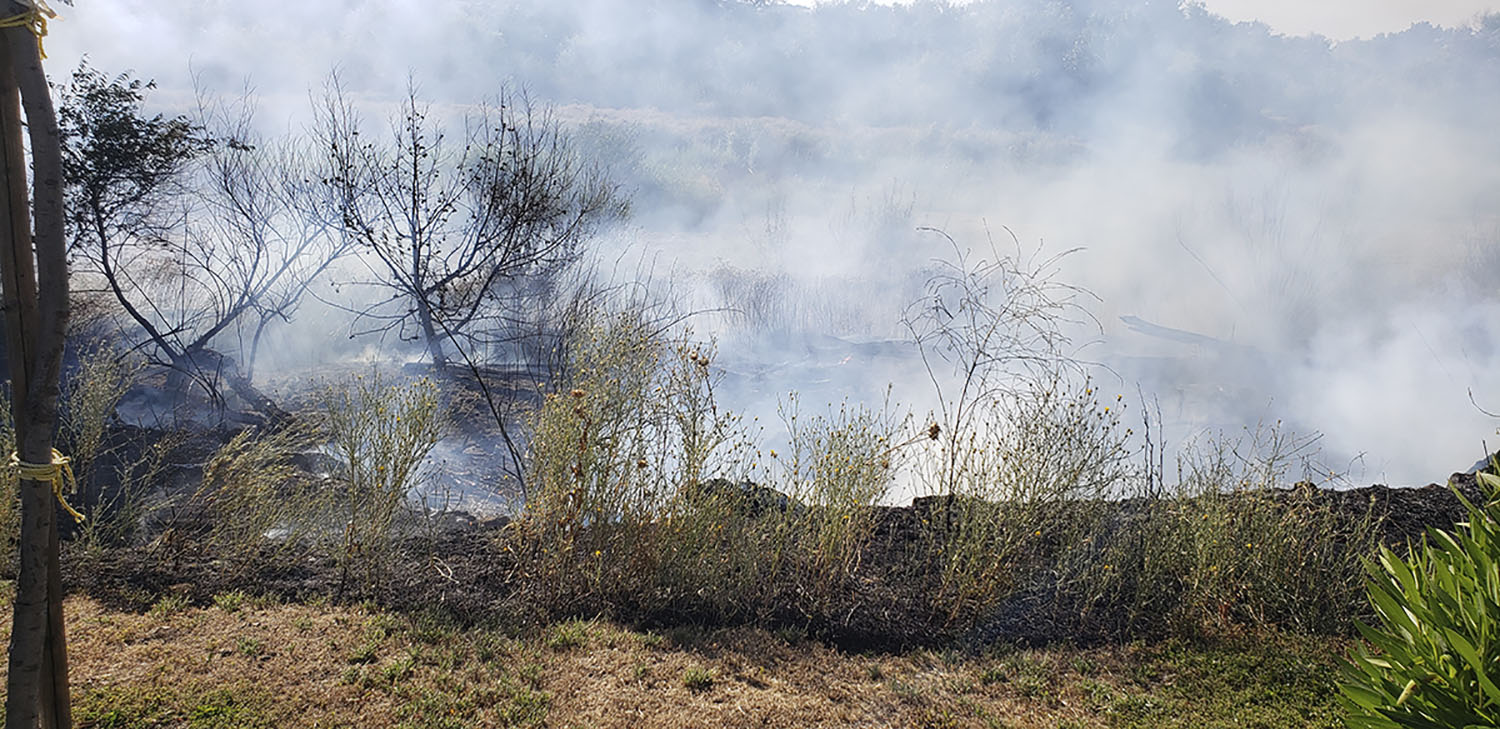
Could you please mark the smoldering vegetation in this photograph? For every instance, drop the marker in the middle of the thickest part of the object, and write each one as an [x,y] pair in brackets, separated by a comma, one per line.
[899,324]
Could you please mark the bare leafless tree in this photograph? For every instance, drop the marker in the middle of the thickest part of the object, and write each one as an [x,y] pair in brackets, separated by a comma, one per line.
[267,235]
[200,231]
[454,230]
[988,325]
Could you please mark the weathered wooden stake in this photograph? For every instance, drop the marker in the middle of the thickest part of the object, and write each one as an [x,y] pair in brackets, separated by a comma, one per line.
[34,278]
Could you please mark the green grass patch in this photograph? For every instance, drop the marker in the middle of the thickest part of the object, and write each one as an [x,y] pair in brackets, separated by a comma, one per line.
[1271,682]
[124,707]
[698,678]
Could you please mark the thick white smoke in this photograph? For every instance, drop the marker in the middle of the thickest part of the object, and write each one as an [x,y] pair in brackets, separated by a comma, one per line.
[1276,227]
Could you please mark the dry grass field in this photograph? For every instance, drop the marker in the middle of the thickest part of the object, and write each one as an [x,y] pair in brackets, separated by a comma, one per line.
[251,662]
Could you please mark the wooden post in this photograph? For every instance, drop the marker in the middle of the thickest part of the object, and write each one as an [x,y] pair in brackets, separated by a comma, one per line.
[34,278]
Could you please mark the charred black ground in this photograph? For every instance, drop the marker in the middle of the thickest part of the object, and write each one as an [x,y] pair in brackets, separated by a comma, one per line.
[474,570]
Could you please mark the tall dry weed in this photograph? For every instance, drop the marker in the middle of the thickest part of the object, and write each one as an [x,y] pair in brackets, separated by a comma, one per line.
[257,503]
[1237,543]
[381,432]
[620,444]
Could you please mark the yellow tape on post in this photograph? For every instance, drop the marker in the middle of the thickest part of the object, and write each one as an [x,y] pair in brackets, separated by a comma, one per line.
[59,472]
[34,19]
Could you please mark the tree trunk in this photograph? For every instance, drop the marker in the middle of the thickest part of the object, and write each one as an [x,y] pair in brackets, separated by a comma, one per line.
[35,287]
[430,335]
[207,368]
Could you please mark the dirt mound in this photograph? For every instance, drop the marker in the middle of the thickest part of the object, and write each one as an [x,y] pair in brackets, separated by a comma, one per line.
[1406,513]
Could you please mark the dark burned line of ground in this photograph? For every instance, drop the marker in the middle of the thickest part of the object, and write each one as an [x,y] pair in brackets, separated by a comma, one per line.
[470,572]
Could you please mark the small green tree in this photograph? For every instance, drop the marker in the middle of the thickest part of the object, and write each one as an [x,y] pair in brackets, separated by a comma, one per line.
[1438,635]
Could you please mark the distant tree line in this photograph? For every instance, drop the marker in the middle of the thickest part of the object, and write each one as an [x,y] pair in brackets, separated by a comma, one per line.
[1068,66]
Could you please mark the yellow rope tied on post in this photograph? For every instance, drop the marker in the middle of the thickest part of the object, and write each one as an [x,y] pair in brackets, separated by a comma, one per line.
[34,20]
[59,473]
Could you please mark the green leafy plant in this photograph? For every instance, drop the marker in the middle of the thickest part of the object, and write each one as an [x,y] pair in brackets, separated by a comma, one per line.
[250,647]
[570,634]
[1437,641]
[698,678]
[230,602]
[170,605]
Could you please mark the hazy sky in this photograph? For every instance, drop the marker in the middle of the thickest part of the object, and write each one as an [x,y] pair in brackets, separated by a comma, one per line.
[1351,18]
[1338,19]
